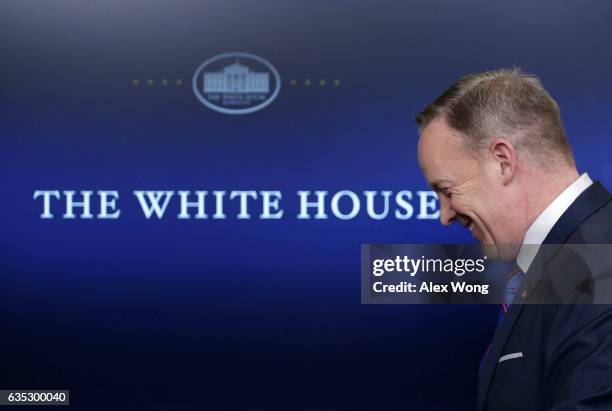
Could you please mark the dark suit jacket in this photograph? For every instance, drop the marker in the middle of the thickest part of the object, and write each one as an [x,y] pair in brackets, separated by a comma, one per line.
[555,357]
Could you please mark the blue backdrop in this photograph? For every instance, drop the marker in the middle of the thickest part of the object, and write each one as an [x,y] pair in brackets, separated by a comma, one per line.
[250,314]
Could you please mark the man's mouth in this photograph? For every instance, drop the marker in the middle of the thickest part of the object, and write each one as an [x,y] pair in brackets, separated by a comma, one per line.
[473,229]
[469,224]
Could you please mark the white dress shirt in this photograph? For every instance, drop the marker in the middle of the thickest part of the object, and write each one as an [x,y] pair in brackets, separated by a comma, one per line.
[539,229]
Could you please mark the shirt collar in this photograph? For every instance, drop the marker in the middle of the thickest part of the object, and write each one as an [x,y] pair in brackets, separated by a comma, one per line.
[539,229]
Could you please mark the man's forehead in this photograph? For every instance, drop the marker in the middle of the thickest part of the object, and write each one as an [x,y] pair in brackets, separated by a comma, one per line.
[438,133]
[430,143]
[439,147]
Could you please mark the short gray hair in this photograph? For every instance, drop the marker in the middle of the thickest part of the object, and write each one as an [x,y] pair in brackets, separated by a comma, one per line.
[507,102]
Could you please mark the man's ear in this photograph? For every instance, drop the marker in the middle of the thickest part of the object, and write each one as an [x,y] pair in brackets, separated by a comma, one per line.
[504,156]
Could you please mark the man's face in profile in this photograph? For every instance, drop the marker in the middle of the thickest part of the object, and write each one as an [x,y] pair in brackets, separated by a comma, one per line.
[466,185]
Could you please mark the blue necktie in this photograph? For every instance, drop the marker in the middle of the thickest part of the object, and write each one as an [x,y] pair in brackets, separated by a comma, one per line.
[513,282]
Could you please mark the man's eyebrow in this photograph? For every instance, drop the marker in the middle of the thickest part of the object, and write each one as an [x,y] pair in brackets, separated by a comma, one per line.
[435,186]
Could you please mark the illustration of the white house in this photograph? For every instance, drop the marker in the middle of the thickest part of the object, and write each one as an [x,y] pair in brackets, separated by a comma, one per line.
[236,78]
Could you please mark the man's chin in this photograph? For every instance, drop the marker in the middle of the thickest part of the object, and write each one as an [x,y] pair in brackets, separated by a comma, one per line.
[499,252]
[489,251]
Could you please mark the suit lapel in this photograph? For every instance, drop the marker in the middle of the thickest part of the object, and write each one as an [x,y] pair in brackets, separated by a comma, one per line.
[589,201]
[495,350]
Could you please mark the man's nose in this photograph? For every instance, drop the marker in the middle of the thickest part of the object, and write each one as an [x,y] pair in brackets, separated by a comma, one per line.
[447,214]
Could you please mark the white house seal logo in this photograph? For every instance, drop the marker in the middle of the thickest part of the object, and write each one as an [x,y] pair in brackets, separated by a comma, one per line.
[236,83]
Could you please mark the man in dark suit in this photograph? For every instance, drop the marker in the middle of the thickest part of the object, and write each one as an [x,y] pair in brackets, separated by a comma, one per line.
[494,149]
